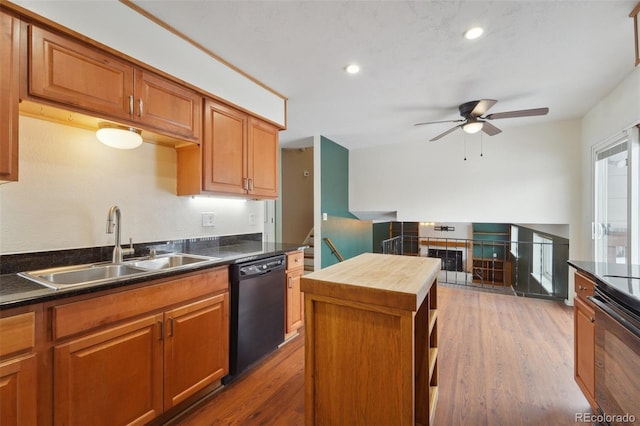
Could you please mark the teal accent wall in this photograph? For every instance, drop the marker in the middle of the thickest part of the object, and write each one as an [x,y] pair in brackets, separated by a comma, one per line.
[490,238]
[350,235]
[334,179]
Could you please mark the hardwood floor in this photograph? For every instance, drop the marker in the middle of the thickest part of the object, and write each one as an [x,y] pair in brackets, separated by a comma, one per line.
[503,360]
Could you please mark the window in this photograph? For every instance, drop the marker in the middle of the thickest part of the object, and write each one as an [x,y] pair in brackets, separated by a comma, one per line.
[542,261]
[514,241]
[615,229]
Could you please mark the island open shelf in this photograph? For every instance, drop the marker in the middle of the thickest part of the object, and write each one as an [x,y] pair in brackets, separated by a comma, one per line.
[371,341]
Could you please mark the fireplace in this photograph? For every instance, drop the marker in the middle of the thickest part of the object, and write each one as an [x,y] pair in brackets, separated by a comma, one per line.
[451,259]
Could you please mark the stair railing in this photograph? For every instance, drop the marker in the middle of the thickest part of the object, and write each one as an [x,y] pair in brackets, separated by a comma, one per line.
[333,248]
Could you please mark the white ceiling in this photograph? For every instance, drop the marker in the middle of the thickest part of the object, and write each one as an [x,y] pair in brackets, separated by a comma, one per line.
[416,66]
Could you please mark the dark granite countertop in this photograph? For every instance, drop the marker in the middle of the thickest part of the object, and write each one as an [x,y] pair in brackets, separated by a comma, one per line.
[623,280]
[18,291]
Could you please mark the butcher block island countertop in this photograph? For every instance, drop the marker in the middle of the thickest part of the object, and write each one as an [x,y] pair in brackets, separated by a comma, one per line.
[371,341]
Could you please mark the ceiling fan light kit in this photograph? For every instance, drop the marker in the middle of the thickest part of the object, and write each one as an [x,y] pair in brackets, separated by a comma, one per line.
[473,119]
[472,126]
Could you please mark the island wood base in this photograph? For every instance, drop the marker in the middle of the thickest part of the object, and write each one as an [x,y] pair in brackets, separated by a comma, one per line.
[371,341]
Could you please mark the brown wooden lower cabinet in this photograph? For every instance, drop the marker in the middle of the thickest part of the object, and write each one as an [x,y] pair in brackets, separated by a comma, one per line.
[166,343]
[111,377]
[194,357]
[295,298]
[584,338]
[17,391]
[18,368]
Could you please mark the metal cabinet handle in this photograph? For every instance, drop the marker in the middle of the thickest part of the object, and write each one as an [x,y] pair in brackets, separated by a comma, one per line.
[171,327]
[139,107]
[580,288]
[592,319]
[245,184]
[131,104]
[250,184]
[290,282]
[161,325]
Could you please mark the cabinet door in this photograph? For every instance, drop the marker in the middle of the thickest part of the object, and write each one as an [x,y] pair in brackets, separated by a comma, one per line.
[110,377]
[196,347]
[262,159]
[584,348]
[167,106]
[295,300]
[224,149]
[9,96]
[18,382]
[65,71]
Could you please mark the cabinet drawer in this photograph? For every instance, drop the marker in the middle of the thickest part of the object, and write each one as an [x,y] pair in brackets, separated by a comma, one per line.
[583,285]
[295,260]
[76,317]
[17,333]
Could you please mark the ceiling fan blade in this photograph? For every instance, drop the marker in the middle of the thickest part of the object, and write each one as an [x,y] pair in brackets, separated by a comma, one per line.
[434,122]
[519,113]
[490,129]
[482,106]
[441,135]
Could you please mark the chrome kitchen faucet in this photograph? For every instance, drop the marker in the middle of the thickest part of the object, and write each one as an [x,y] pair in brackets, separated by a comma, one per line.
[118,251]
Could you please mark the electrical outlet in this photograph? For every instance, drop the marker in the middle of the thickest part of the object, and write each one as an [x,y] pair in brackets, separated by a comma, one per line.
[252,219]
[208,219]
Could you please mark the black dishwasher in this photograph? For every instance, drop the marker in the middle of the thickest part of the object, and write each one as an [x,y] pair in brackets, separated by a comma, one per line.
[257,312]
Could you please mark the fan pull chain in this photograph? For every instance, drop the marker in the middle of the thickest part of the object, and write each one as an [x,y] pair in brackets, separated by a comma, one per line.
[481,145]
[465,146]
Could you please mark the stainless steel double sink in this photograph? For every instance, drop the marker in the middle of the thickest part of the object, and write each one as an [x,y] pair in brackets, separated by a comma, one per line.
[103,273]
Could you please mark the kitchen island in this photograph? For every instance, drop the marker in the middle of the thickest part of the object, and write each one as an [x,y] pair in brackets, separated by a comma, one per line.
[371,340]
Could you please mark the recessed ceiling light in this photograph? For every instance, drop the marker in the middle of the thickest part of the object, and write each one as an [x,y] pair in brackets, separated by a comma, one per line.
[473,33]
[352,68]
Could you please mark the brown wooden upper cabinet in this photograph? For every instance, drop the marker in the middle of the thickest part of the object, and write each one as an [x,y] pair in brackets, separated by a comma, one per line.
[262,159]
[224,149]
[78,75]
[239,156]
[9,95]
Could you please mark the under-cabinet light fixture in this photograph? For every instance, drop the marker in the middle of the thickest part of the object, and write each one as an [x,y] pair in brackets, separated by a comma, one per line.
[120,137]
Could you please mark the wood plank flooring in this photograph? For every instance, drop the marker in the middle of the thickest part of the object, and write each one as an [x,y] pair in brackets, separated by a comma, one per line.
[503,360]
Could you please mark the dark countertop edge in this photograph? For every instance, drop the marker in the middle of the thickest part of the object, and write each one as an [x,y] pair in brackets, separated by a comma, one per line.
[593,270]
[32,293]
[597,269]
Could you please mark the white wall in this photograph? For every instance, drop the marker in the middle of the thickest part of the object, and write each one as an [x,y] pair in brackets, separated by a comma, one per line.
[527,175]
[615,113]
[68,181]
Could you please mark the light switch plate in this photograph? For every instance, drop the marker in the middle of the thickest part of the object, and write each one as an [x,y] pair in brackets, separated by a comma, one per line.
[208,219]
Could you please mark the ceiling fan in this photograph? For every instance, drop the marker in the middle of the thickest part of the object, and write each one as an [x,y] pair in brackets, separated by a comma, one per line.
[473,119]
